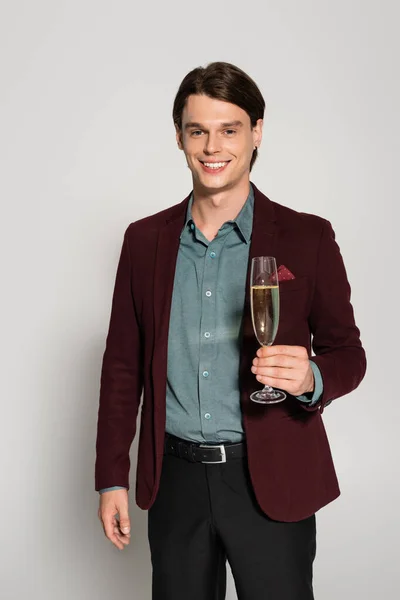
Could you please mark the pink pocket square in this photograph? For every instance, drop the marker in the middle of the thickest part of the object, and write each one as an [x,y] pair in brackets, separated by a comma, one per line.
[284,274]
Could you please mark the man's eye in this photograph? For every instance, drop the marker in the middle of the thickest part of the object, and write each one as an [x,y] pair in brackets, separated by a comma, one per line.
[196,133]
[230,131]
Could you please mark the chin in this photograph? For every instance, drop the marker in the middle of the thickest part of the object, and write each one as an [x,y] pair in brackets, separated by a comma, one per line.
[214,180]
[215,184]
[222,182]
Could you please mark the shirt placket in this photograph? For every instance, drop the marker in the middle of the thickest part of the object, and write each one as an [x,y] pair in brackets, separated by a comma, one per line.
[208,340]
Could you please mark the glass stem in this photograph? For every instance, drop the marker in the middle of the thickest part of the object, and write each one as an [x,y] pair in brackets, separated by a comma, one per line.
[267,388]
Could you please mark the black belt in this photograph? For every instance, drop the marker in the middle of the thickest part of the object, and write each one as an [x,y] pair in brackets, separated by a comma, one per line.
[204,453]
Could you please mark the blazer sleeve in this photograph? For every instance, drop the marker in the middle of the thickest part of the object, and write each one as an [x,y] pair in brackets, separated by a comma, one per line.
[121,382]
[336,343]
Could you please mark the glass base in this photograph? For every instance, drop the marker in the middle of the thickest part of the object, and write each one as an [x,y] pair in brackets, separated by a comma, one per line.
[268,396]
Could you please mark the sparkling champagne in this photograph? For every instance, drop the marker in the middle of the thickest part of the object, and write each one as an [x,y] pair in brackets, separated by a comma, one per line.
[265,312]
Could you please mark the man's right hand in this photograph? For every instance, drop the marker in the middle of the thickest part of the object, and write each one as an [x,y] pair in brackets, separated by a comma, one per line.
[114,516]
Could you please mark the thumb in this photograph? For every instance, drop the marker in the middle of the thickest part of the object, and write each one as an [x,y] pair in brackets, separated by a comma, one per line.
[124,522]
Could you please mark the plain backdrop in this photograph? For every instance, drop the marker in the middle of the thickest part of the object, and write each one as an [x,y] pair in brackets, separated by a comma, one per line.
[87,146]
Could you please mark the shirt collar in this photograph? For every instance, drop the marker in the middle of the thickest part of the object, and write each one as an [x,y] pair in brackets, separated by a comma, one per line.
[189,223]
[243,222]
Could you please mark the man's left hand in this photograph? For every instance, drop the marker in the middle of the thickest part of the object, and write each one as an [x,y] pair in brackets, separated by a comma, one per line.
[285,367]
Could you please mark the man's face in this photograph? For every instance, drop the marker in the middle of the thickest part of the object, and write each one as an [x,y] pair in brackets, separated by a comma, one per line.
[218,142]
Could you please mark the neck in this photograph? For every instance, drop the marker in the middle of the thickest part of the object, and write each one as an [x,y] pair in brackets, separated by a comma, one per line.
[210,210]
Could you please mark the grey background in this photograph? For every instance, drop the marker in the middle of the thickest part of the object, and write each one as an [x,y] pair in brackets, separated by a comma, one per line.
[87,146]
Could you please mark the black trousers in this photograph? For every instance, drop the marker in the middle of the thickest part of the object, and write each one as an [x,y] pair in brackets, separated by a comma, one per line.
[207,514]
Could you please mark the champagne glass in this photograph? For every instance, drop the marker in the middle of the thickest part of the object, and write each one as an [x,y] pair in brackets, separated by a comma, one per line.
[264,297]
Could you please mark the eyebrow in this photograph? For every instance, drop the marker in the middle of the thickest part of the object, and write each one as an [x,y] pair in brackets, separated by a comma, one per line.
[192,124]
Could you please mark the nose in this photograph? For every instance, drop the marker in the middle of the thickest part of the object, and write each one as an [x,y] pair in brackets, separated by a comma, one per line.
[212,143]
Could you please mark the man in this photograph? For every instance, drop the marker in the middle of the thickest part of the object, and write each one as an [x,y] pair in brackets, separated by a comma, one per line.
[224,478]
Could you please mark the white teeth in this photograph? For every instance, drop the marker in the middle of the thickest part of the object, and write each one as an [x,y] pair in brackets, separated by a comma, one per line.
[215,165]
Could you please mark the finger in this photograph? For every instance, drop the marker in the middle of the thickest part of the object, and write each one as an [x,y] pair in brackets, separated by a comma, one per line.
[124,539]
[266,351]
[277,373]
[109,531]
[117,542]
[117,531]
[278,360]
[114,539]
[282,384]
[124,521]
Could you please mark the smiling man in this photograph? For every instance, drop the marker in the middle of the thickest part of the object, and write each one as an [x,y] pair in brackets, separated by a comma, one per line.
[224,479]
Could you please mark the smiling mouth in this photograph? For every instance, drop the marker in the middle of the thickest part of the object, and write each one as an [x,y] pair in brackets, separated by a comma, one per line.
[214,166]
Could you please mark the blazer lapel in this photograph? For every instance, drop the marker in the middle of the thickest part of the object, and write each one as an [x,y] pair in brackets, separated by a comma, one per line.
[263,243]
[164,273]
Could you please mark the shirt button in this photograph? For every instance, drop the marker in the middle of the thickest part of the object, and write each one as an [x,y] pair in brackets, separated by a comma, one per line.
[192,226]
[205,373]
[207,334]
[208,293]
[207,416]
[212,254]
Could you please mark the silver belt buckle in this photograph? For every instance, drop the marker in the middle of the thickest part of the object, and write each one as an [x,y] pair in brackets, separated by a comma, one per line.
[214,462]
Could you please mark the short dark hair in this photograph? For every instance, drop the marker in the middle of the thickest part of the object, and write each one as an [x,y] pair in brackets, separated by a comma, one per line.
[222,81]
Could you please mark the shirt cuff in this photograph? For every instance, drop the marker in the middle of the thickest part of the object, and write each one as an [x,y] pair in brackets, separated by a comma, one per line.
[313,397]
[110,489]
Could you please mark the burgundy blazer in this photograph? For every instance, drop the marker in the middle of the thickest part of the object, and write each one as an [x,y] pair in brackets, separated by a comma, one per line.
[289,458]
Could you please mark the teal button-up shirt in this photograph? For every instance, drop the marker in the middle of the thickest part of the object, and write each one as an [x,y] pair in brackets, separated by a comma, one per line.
[203,399]
[203,344]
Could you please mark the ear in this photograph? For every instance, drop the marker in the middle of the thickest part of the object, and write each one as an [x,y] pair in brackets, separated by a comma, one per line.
[178,136]
[257,132]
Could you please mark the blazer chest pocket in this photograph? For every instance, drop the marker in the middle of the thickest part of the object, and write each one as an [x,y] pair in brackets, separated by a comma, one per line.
[293,299]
